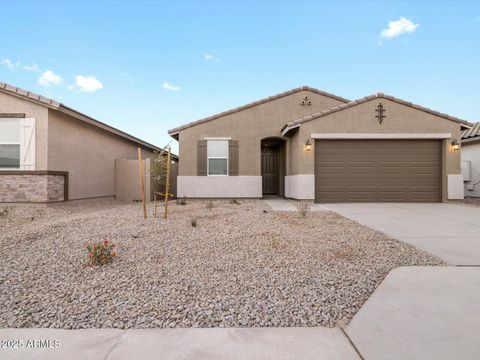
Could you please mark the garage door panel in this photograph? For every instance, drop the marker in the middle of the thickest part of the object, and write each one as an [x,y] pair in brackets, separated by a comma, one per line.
[378,170]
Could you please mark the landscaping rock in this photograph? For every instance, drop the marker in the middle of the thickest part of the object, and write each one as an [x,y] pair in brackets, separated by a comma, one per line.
[223,273]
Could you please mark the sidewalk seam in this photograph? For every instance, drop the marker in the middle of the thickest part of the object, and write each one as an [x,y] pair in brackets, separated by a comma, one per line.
[109,352]
[351,343]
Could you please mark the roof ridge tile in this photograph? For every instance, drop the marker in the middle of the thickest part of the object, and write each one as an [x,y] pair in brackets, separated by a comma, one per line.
[374,96]
[255,103]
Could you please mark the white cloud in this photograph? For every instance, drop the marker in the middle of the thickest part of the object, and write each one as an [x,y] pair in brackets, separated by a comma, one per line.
[210,57]
[398,27]
[87,83]
[33,67]
[9,63]
[127,76]
[167,86]
[49,78]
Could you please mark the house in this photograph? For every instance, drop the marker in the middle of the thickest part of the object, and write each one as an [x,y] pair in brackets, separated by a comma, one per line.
[309,144]
[50,152]
[471,160]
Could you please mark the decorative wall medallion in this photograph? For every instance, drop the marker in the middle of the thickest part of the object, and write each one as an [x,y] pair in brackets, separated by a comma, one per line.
[306,101]
[380,110]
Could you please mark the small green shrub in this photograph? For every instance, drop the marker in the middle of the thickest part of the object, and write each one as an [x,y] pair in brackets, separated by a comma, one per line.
[101,253]
[182,201]
[194,222]
[4,212]
[303,208]
[209,205]
[274,241]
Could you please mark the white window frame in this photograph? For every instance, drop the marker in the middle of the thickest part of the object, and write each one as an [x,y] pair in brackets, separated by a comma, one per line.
[26,143]
[19,143]
[216,157]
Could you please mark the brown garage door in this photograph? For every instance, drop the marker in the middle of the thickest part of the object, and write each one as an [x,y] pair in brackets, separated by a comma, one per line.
[378,170]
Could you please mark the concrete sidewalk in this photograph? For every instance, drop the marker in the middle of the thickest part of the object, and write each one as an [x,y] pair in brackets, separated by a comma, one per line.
[421,313]
[198,344]
[451,232]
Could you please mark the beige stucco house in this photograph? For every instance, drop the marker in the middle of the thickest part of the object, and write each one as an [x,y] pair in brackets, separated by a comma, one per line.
[50,152]
[309,144]
[471,160]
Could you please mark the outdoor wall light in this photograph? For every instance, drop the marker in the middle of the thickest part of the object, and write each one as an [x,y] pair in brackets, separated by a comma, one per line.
[455,145]
[308,146]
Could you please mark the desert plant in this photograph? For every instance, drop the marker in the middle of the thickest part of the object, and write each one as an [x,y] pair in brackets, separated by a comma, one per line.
[182,201]
[159,171]
[209,205]
[4,212]
[274,241]
[235,202]
[303,208]
[194,222]
[101,253]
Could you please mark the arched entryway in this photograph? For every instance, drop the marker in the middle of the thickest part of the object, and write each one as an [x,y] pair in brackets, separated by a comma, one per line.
[273,166]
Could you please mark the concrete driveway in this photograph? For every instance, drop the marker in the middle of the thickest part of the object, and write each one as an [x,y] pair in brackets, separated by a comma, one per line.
[451,232]
[421,313]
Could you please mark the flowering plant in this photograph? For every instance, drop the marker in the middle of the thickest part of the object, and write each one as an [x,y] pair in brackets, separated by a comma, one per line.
[101,253]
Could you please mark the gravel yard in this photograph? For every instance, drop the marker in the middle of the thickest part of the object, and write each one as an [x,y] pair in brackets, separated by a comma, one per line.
[222,273]
[471,201]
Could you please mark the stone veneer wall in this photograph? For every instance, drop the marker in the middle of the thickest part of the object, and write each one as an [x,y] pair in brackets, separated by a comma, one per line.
[31,188]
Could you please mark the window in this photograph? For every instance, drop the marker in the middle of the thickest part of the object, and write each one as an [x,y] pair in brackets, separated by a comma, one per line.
[217,157]
[9,143]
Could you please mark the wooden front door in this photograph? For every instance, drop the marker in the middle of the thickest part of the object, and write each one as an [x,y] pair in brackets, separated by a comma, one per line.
[269,170]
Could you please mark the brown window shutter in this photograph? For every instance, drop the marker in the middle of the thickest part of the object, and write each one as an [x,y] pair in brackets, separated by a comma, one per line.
[233,157]
[202,158]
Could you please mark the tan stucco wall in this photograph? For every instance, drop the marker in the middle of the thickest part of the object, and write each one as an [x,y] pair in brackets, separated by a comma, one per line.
[249,127]
[361,119]
[88,154]
[127,180]
[14,104]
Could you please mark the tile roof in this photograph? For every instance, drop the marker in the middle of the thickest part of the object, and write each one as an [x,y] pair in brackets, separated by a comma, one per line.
[41,100]
[474,132]
[31,95]
[255,103]
[297,122]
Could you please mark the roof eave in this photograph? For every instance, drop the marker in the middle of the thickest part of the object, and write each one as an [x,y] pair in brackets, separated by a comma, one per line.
[464,124]
[76,114]
[256,103]
[471,140]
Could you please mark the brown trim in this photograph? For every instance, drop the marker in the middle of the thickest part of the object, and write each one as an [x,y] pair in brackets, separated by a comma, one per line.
[42,172]
[470,140]
[12,115]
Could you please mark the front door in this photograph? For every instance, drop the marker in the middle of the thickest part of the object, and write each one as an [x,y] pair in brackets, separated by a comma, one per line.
[269,170]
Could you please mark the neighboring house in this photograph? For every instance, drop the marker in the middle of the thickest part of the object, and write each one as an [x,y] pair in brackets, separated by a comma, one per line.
[309,144]
[49,152]
[471,160]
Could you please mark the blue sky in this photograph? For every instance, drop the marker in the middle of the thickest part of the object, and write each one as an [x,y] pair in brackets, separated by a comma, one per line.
[146,67]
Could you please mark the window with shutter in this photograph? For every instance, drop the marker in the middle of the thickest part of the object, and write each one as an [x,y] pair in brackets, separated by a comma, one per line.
[217,157]
[9,143]
[27,144]
[17,143]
